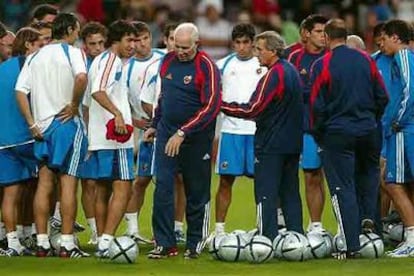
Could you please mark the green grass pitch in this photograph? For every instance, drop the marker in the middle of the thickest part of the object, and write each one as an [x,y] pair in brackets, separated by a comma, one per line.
[241,216]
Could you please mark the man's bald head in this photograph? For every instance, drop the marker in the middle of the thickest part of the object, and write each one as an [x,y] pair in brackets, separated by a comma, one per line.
[186,39]
[187,29]
[355,42]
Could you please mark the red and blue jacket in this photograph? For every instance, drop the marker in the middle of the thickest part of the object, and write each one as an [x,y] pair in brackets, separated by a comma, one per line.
[347,95]
[277,107]
[190,96]
[303,61]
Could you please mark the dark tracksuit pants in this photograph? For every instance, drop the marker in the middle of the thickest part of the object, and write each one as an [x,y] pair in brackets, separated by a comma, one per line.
[276,177]
[194,163]
[351,166]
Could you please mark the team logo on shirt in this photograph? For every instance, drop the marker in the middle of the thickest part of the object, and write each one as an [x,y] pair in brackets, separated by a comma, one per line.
[303,71]
[169,76]
[145,167]
[224,165]
[259,71]
[187,79]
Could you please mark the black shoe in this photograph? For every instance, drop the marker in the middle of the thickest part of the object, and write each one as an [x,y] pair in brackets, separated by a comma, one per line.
[367,226]
[3,243]
[392,218]
[191,254]
[161,252]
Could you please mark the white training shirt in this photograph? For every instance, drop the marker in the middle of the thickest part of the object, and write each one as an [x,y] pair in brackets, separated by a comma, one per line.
[107,73]
[239,80]
[151,87]
[48,75]
[136,76]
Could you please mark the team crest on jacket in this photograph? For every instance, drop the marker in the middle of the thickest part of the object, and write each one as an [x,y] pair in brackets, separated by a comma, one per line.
[259,71]
[169,76]
[187,79]
[224,165]
[303,71]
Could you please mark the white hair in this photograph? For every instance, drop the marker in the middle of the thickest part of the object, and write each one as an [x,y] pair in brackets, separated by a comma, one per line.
[355,41]
[190,28]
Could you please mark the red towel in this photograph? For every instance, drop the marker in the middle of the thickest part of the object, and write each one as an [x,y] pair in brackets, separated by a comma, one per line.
[112,135]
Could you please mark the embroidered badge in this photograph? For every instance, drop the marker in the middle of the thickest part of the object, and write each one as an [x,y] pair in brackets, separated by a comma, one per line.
[187,79]
[259,71]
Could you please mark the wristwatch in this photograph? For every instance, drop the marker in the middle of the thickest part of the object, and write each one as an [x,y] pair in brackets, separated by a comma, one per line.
[180,133]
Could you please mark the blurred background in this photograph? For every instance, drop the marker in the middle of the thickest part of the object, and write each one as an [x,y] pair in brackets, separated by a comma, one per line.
[216,17]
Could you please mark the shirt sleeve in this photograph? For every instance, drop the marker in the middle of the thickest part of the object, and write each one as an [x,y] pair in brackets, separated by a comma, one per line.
[78,61]
[105,74]
[210,97]
[271,85]
[149,85]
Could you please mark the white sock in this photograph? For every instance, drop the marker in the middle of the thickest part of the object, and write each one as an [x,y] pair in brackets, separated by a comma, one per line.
[67,241]
[92,224]
[13,241]
[132,223]
[34,231]
[27,231]
[280,217]
[409,231]
[19,230]
[56,214]
[220,227]
[43,241]
[316,225]
[2,231]
[178,225]
[104,241]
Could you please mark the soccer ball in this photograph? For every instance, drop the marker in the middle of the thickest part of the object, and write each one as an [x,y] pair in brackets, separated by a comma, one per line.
[56,240]
[397,234]
[231,248]
[277,245]
[213,247]
[386,228]
[238,232]
[295,247]
[371,245]
[259,249]
[123,250]
[327,236]
[318,246]
[338,243]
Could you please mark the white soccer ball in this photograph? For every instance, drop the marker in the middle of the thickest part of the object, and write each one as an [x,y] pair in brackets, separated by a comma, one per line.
[327,236]
[214,245]
[259,249]
[238,232]
[318,246]
[277,245]
[397,234]
[371,245]
[123,250]
[338,242]
[386,228]
[295,247]
[56,240]
[231,248]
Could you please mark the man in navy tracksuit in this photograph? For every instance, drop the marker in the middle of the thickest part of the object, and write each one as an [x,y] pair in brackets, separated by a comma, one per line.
[347,101]
[277,107]
[184,123]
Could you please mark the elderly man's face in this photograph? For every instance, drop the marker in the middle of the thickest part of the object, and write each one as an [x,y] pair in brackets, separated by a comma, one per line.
[266,57]
[184,46]
[6,44]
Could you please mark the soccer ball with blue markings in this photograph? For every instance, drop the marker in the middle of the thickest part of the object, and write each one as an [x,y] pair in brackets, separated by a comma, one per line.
[123,250]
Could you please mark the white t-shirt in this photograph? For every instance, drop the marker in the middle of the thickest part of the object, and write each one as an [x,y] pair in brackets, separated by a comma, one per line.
[136,76]
[49,75]
[239,80]
[151,87]
[107,73]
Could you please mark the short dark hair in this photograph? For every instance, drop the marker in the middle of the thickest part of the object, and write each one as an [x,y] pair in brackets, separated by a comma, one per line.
[400,28]
[3,30]
[40,11]
[118,29]
[309,22]
[378,29]
[141,27]
[26,34]
[336,29]
[91,28]
[243,29]
[170,27]
[61,24]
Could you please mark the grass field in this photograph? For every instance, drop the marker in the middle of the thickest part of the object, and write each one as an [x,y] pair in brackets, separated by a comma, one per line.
[241,216]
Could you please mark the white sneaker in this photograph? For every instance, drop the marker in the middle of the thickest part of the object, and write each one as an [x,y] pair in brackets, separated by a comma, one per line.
[93,239]
[404,250]
[140,239]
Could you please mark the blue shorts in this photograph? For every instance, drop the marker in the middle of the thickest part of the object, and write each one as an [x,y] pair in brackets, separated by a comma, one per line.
[111,164]
[310,158]
[400,158]
[235,155]
[17,164]
[145,159]
[63,148]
